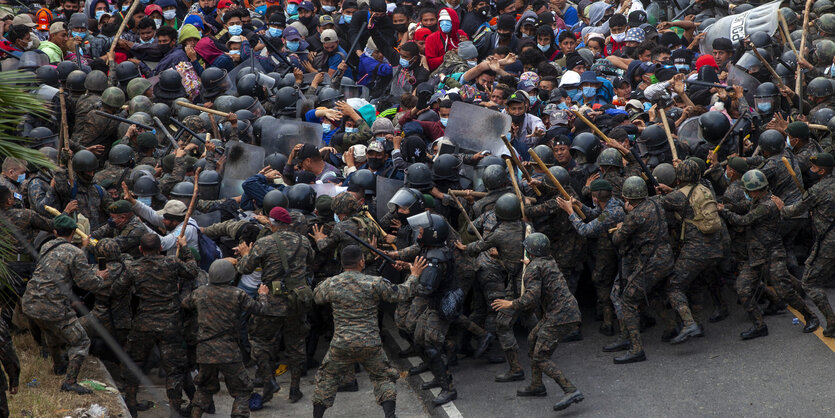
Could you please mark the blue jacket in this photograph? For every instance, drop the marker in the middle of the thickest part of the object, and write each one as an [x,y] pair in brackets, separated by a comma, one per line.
[310,116]
[366,70]
[255,188]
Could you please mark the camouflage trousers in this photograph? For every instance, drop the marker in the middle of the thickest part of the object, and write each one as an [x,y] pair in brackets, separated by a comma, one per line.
[172,349]
[542,341]
[505,319]
[266,334]
[775,273]
[87,322]
[818,273]
[627,299]
[238,383]
[492,279]
[339,361]
[67,333]
[407,314]
[431,330]
[687,269]
[603,276]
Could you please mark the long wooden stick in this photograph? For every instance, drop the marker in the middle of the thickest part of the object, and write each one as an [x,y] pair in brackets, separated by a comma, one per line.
[553,179]
[667,131]
[202,109]
[512,173]
[191,206]
[793,174]
[215,130]
[52,211]
[596,130]
[799,83]
[65,131]
[465,193]
[518,163]
[469,221]
[784,27]
[770,69]
[122,28]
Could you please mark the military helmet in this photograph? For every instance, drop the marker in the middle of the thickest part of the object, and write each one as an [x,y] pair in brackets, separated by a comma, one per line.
[831,124]
[407,198]
[84,161]
[65,68]
[494,177]
[435,229]
[272,199]
[248,85]
[108,249]
[754,180]
[170,81]
[226,103]
[714,126]
[507,208]
[537,244]
[161,111]
[588,144]
[345,204]
[140,104]
[182,111]
[772,141]
[490,160]
[276,161]
[826,23]
[820,87]
[327,95]
[366,179]
[687,171]
[75,81]
[419,176]
[208,178]
[113,97]
[48,75]
[822,7]
[286,97]
[821,116]
[301,197]
[653,137]
[49,152]
[222,272]
[213,83]
[546,154]
[665,174]
[634,188]
[126,71]
[137,87]
[823,53]
[120,154]
[789,15]
[96,81]
[767,89]
[610,157]
[145,185]
[559,173]
[259,123]
[182,189]
[446,167]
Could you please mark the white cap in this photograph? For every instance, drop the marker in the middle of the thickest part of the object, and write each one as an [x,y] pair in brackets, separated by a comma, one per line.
[570,78]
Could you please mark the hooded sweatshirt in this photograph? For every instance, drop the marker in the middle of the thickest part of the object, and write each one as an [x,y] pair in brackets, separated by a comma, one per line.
[438,43]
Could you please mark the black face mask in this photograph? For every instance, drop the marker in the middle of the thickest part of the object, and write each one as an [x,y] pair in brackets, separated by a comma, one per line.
[164,48]
[401,27]
[376,163]
[505,35]
[628,50]
[306,20]
[484,11]
[517,119]
[249,26]
[812,176]
[433,28]
[544,95]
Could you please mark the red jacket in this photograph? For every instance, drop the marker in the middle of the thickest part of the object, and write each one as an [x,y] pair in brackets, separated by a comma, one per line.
[438,43]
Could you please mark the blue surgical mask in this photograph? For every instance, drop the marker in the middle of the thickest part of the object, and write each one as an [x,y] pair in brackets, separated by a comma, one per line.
[532,99]
[647,106]
[346,18]
[293,45]
[349,130]
[380,138]
[144,1]
[125,7]
[543,48]
[99,14]
[328,9]
[335,218]
[326,127]
[21,178]
[444,121]
[562,106]
[169,14]
[764,107]
[404,62]
[682,67]
[145,200]
[292,9]
[81,35]
[235,30]
[234,52]
[146,42]
[589,91]
[158,23]
[747,196]
[725,175]
[261,9]
[445,25]
[275,33]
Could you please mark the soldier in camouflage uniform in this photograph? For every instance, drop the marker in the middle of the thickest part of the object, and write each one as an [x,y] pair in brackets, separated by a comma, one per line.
[125,227]
[285,259]
[819,200]
[11,364]
[804,148]
[155,280]
[93,200]
[111,313]
[647,261]
[346,207]
[607,213]
[95,131]
[545,287]
[49,295]
[355,299]
[27,223]
[326,264]
[146,144]
[766,255]
[118,167]
[218,306]
[36,189]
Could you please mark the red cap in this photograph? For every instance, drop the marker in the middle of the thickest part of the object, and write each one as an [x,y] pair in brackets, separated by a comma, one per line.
[706,59]
[223,4]
[280,214]
[422,33]
[152,8]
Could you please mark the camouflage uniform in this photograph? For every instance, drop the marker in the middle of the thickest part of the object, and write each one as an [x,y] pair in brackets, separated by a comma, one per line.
[115,173]
[218,309]
[49,295]
[11,364]
[35,192]
[804,153]
[361,136]
[127,236]
[112,313]
[337,240]
[93,200]
[545,287]
[285,258]
[15,189]
[647,261]
[87,103]
[27,223]
[92,130]
[156,280]
[355,298]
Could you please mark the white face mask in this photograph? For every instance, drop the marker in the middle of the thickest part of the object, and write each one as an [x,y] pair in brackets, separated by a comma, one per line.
[619,37]
[169,14]
[158,22]
[30,44]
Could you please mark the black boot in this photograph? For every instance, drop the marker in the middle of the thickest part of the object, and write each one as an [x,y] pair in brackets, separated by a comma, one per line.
[515,374]
[270,388]
[754,332]
[621,345]
[388,409]
[448,394]
[432,384]
[318,410]
[73,386]
[295,392]
[631,358]
[774,308]
[532,390]
[568,399]
[718,314]
[484,344]
[351,386]
[420,368]
[689,331]
[812,322]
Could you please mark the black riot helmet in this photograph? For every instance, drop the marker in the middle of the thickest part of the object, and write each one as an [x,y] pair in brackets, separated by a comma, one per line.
[714,126]
[419,176]
[272,199]
[507,208]
[84,161]
[546,154]
[248,85]
[75,81]
[652,139]
[120,154]
[407,198]
[301,197]
[145,186]
[161,111]
[65,68]
[366,179]
[494,177]
[126,71]
[821,116]
[434,226]
[182,189]
[276,161]
[820,87]
[446,167]
[214,82]
[48,75]
[208,183]
[588,145]
[772,142]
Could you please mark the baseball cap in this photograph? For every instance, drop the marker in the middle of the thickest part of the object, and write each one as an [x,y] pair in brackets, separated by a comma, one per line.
[376,146]
[637,18]
[309,151]
[325,20]
[589,77]
[291,34]
[444,15]
[518,96]
[328,35]
[174,209]
[422,33]
[359,153]
[224,4]
[236,38]
[23,19]
[307,6]
[526,86]
[56,28]
[152,8]
[635,35]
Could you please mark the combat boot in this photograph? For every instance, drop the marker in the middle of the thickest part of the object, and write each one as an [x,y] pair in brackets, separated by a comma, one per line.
[389,408]
[636,353]
[829,332]
[754,332]
[823,305]
[569,399]
[812,322]
[319,410]
[536,388]
[448,394]
[622,342]
[175,408]
[420,368]
[437,362]
[295,393]
[270,388]
[691,330]
[515,374]
[73,386]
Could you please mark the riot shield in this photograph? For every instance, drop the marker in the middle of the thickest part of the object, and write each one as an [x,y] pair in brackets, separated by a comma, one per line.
[477,128]
[242,162]
[690,133]
[281,135]
[330,189]
[386,188]
[351,92]
[45,92]
[738,76]
[233,75]
[737,27]
[207,219]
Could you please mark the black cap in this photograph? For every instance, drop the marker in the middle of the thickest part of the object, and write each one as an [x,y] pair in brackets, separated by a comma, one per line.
[573,59]
[506,22]
[309,151]
[637,18]
[723,44]
[378,6]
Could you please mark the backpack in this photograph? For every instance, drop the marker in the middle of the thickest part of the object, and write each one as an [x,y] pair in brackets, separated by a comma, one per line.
[208,249]
[706,216]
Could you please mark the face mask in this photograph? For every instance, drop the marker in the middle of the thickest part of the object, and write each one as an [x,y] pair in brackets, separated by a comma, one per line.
[505,35]
[234,52]
[275,33]
[682,68]
[619,37]
[292,9]
[21,177]
[326,127]
[144,1]
[813,177]
[125,7]
[99,14]
[146,42]
[543,48]
[164,48]
[653,79]
[764,107]
[380,138]
[261,9]
[518,119]
[306,20]
[544,95]
[207,11]
[376,163]
[169,14]
[444,121]
[328,9]
[404,62]
[725,175]
[484,11]
[350,130]
[401,27]
[562,106]
[235,30]
[446,26]
[589,91]
[346,18]
[145,200]
[647,106]
[158,22]
[335,218]
[747,196]
[81,35]
[30,44]
[532,99]
[293,45]
[472,63]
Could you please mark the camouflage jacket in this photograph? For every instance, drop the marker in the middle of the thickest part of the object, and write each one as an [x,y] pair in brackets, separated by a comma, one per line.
[28,223]
[49,292]
[780,182]
[127,236]
[36,192]
[219,309]
[819,201]
[338,239]
[696,243]
[507,239]
[93,200]
[545,286]
[601,221]
[156,280]
[567,245]
[355,299]
[85,104]
[112,172]
[8,356]
[644,244]
[110,310]
[762,223]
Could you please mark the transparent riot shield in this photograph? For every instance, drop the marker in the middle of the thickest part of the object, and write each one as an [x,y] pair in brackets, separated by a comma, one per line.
[386,189]
[281,135]
[242,162]
[477,128]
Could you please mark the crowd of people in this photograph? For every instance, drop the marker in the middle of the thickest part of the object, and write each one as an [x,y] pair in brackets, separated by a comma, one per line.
[235,182]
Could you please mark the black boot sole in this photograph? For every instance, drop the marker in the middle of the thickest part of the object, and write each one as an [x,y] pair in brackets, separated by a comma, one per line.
[630,359]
